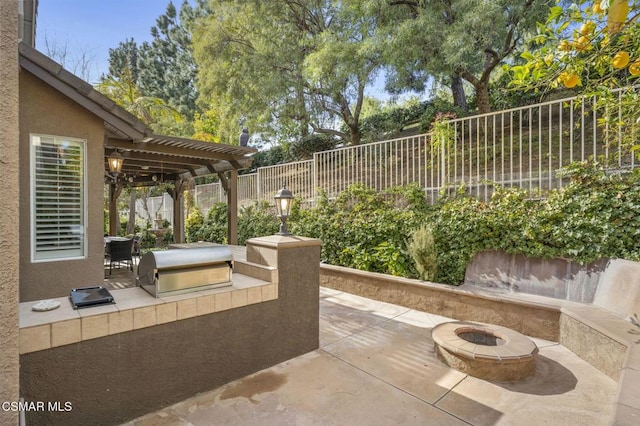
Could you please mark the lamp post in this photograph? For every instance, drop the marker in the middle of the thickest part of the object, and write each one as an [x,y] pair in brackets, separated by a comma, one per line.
[115,163]
[283,206]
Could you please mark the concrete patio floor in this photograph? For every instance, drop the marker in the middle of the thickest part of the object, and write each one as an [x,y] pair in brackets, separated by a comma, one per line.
[376,366]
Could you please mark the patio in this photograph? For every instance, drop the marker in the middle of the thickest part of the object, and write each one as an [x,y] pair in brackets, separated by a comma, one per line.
[376,365]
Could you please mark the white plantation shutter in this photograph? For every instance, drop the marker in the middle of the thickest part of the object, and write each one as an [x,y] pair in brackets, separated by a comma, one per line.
[58,198]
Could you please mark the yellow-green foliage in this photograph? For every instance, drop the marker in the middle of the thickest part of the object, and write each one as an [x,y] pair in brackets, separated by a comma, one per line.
[422,248]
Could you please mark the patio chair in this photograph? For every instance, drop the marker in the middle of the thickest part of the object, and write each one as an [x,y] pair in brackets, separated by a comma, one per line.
[119,252]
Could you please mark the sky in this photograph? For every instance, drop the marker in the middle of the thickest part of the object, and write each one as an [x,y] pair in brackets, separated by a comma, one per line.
[94,26]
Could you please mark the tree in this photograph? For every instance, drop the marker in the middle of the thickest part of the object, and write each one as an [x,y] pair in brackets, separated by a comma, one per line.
[81,63]
[126,93]
[206,126]
[288,67]
[593,48]
[124,58]
[455,40]
[121,85]
[167,69]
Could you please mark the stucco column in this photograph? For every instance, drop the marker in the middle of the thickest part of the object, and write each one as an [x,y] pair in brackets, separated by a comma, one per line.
[297,260]
[9,225]
[280,251]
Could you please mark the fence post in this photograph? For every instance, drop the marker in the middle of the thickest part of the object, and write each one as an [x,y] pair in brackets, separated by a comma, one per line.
[258,185]
[443,161]
[314,174]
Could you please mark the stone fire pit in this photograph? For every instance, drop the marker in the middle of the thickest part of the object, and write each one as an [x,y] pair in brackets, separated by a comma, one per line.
[485,351]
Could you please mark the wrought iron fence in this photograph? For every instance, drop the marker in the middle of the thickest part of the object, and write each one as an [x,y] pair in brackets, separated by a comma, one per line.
[206,195]
[297,176]
[521,147]
[526,146]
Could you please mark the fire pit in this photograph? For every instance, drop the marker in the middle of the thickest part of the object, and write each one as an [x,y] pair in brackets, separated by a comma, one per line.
[485,351]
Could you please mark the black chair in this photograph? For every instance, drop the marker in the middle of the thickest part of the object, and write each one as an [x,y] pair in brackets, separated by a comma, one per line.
[119,251]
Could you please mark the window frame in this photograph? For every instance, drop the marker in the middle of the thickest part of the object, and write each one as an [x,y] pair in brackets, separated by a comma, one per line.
[34,139]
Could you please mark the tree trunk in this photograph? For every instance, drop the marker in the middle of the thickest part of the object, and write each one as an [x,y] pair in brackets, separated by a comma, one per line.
[131,225]
[482,97]
[355,135]
[144,195]
[457,90]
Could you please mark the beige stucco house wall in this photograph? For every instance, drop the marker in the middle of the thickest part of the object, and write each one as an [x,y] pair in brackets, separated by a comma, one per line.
[44,110]
[9,167]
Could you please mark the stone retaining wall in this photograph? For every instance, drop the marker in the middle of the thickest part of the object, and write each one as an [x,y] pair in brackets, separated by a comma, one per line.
[530,317]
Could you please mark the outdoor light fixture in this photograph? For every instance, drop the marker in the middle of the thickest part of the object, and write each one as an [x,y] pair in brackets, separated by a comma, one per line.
[283,206]
[115,162]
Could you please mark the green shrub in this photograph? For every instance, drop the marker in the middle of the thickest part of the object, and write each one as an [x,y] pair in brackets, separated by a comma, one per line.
[192,225]
[167,238]
[256,220]
[253,221]
[361,229]
[148,239]
[460,231]
[422,248]
[436,108]
[214,226]
[307,146]
[269,157]
[387,124]
[595,215]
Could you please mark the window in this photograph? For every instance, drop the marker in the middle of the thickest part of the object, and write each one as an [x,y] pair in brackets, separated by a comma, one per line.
[58,210]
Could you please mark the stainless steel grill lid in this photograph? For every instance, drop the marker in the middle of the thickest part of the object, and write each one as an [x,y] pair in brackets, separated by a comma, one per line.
[183,270]
[189,257]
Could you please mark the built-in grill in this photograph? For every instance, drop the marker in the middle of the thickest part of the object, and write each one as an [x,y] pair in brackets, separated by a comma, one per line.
[177,271]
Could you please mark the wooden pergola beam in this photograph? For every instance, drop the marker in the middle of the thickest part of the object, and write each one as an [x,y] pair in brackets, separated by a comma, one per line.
[154,148]
[143,158]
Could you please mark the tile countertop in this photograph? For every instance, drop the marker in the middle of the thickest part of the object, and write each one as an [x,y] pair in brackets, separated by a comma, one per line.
[134,309]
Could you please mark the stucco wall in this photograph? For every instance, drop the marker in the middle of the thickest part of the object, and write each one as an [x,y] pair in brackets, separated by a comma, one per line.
[516,273]
[44,110]
[9,166]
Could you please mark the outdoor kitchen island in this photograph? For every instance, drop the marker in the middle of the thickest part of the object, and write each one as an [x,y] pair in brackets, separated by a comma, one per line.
[116,362]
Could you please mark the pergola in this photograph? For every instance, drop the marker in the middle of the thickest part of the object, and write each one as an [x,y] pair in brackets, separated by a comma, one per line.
[166,159]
